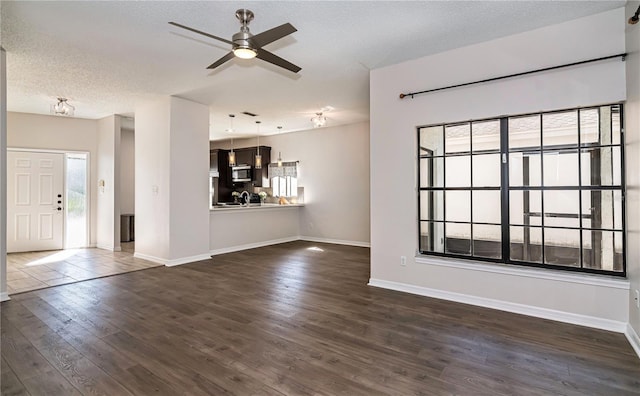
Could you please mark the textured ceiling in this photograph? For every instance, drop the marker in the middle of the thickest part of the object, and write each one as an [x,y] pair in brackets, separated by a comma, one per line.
[107,56]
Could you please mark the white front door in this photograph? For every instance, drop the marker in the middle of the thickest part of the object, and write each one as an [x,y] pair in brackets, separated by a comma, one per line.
[35,191]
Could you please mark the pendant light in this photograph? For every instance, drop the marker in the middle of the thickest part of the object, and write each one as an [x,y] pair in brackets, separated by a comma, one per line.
[279,153]
[232,154]
[258,161]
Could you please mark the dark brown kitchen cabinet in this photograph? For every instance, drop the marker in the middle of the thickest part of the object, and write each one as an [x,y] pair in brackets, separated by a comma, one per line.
[219,159]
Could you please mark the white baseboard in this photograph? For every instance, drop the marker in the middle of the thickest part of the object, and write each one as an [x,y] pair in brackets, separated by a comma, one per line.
[186,260]
[173,262]
[545,313]
[4,297]
[633,338]
[148,257]
[237,248]
[109,248]
[335,241]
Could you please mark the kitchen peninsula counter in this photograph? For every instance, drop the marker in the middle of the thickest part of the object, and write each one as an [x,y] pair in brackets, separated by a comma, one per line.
[253,207]
[233,228]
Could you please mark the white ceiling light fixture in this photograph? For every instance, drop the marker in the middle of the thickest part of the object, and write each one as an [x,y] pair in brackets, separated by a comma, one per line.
[258,161]
[62,108]
[319,120]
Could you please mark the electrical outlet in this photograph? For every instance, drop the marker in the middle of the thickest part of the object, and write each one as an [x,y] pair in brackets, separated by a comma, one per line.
[403,260]
[638,298]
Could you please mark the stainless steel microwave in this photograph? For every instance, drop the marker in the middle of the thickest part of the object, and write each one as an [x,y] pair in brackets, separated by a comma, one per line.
[241,174]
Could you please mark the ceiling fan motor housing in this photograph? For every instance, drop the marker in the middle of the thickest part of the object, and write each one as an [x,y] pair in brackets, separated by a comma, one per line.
[242,39]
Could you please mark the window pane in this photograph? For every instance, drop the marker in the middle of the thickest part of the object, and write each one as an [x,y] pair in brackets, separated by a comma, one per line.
[486,170]
[602,250]
[526,244]
[560,168]
[524,132]
[457,138]
[458,206]
[560,128]
[601,166]
[524,169]
[525,207]
[604,209]
[561,208]
[458,238]
[485,135]
[458,171]
[589,126]
[293,186]
[431,172]
[76,210]
[615,124]
[431,205]
[561,247]
[431,140]
[486,207]
[486,241]
[431,237]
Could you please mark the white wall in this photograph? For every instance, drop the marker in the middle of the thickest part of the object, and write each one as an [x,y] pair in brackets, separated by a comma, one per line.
[127,172]
[152,178]
[59,133]
[334,171]
[238,229]
[171,181]
[632,127]
[189,173]
[108,213]
[394,229]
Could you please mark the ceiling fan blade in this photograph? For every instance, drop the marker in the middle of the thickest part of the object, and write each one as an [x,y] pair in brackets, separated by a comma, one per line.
[222,60]
[202,33]
[271,35]
[276,60]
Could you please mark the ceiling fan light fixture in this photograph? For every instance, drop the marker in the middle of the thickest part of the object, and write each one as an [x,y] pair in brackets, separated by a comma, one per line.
[319,120]
[62,108]
[245,52]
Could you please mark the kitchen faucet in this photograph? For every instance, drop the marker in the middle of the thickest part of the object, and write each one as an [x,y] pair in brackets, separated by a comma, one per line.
[242,200]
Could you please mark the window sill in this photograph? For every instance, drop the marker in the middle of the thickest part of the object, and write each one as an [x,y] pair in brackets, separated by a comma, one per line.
[505,269]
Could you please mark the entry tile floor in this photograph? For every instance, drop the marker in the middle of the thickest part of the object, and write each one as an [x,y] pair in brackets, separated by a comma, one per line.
[37,270]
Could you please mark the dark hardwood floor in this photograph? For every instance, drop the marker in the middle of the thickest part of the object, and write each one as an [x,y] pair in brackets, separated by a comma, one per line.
[292,319]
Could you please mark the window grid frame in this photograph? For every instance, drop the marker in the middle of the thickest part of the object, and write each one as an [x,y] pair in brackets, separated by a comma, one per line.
[506,188]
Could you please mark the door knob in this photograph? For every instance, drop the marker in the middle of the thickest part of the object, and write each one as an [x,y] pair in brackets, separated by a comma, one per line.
[59,208]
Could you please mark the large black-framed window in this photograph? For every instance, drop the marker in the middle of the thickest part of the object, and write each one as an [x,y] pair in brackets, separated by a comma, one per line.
[543,189]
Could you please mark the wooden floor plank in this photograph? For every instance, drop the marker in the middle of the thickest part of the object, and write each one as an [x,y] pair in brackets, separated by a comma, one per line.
[11,385]
[293,319]
[76,368]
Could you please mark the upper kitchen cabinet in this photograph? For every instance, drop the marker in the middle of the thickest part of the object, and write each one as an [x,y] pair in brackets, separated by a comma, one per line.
[219,161]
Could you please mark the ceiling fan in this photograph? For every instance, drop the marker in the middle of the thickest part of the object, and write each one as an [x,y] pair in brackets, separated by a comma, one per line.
[247,46]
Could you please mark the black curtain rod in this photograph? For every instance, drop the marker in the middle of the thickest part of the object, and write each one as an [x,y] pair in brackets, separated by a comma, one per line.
[412,94]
